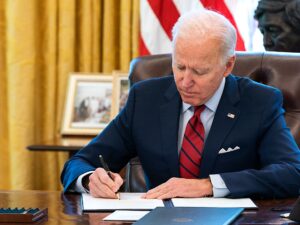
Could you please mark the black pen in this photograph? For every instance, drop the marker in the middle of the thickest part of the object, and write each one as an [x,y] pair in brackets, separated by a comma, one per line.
[106,168]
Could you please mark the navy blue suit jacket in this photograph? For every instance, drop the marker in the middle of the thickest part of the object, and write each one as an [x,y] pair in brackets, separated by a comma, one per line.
[266,165]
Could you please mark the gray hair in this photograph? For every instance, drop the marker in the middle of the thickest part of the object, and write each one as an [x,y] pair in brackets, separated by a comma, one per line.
[206,23]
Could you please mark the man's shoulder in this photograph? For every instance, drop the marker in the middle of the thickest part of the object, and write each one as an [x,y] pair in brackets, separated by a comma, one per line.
[255,94]
[246,84]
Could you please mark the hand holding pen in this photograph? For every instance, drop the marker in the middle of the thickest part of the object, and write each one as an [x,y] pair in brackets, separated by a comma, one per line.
[104,183]
[106,168]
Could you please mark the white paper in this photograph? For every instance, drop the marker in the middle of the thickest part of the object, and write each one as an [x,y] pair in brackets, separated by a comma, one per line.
[127,201]
[126,215]
[213,202]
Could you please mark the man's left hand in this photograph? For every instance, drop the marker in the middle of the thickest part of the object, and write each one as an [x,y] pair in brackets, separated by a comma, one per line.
[181,187]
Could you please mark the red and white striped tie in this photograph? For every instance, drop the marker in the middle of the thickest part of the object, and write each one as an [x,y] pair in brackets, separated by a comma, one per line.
[192,146]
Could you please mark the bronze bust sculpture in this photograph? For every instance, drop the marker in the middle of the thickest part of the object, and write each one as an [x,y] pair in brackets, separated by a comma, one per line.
[279,22]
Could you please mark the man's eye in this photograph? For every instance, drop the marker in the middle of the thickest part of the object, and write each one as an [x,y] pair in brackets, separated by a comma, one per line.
[181,68]
[200,72]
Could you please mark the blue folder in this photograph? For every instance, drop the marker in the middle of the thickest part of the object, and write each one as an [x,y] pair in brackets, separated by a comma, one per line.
[190,216]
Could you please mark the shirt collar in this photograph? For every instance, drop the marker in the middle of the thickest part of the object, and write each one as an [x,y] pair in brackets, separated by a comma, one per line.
[213,102]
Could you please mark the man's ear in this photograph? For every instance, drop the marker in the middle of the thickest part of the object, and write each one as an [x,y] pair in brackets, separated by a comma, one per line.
[229,65]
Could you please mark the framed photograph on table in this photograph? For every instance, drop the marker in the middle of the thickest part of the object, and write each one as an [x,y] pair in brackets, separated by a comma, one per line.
[88,106]
[120,91]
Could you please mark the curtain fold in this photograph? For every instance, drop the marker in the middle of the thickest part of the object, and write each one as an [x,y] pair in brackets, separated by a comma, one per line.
[41,42]
[4,153]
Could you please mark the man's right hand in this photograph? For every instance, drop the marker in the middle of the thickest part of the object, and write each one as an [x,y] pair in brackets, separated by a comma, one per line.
[101,185]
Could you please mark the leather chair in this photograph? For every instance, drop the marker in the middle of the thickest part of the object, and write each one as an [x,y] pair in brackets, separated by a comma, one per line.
[277,69]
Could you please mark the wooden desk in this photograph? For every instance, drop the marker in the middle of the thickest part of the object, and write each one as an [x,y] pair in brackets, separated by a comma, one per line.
[65,209]
[63,144]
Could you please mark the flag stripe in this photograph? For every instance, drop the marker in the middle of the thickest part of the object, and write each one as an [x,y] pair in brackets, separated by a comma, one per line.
[221,7]
[142,47]
[158,17]
[155,38]
[167,18]
[185,6]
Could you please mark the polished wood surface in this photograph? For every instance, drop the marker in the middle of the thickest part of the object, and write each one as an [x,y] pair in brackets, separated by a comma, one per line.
[68,144]
[66,209]
[61,144]
[62,208]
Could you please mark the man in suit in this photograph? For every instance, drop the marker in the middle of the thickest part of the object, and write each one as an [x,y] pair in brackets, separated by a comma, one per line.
[202,132]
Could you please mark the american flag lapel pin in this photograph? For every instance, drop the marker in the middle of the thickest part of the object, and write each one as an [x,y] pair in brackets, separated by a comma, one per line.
[231,115]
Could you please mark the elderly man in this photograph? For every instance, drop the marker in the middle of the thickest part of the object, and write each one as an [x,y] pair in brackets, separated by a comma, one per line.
[202,132]
[279,20]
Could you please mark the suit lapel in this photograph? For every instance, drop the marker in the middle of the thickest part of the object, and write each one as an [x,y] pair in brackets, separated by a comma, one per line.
[169,120]
[222,124]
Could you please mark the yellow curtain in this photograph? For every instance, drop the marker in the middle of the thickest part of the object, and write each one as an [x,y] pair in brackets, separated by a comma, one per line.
[41,42]
[4,153]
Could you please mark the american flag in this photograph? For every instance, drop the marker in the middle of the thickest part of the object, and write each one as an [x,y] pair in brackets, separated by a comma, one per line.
[158,17]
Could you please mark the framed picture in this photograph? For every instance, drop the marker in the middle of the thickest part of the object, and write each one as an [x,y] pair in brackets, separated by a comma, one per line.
[120,91]
[88,107]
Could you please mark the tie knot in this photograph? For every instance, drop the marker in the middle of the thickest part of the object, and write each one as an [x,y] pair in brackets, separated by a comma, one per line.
[198,110]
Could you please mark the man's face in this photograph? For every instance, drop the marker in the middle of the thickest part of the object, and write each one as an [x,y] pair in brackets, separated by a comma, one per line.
[198,69]
[278,35]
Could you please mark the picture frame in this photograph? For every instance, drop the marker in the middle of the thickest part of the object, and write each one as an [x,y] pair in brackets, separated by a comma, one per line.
[88,105]
[120,91]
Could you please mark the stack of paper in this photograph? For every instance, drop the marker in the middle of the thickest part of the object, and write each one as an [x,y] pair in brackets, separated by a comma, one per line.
[133,201]
[214,202]
[127,201]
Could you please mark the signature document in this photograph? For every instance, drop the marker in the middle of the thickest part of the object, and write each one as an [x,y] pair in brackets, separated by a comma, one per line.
[214,202]
[130,201]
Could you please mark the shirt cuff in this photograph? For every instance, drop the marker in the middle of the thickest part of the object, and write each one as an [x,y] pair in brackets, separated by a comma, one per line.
[78,187]
[219,187]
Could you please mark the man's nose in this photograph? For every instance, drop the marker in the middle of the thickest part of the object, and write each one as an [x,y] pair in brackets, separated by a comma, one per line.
[187,80]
